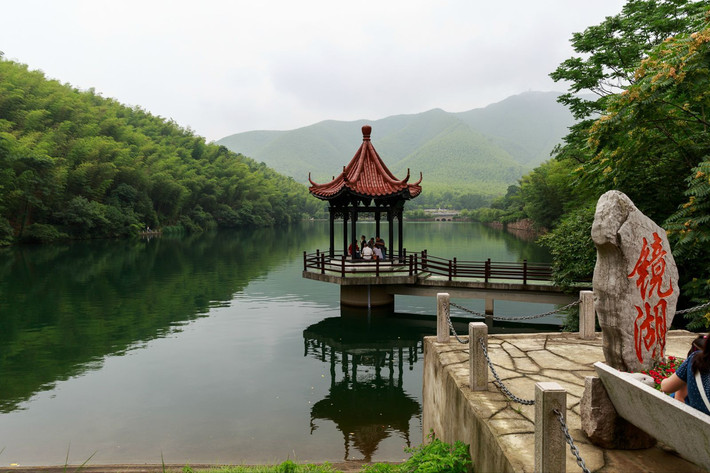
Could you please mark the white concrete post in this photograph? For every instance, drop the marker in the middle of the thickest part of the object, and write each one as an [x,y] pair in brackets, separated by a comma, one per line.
[442,323]
[478,367]
[587,317]
[490,302]
[549,438]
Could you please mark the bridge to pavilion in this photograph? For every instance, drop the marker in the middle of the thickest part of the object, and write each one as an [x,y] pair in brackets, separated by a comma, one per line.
[375,283]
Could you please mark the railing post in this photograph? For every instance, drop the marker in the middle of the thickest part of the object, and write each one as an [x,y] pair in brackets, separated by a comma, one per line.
[305,264]
[404,254]
[487,272]
[586,315]
[322,263]
[525,271]
[411,265]
[377,268]
[442,314]
[456,269]
[478,367]
[416,263]
[342,267]
[549,438]
[450,270]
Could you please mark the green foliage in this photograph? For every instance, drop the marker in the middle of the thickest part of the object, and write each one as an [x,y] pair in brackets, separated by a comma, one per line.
[43,233]
[286,467]
[545,191]
[381,468]
[92,168]
[644,134]
[436,456]
[433,456]
[610,52]
[572,248]
[6,232]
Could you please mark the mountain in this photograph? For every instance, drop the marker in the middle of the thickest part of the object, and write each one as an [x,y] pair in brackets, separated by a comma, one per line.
[478,151]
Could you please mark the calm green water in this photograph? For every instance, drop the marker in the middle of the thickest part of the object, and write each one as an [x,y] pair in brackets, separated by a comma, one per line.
[214,349]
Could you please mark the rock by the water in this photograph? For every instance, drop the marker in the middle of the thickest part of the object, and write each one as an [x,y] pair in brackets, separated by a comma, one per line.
[635,283]
[601,423]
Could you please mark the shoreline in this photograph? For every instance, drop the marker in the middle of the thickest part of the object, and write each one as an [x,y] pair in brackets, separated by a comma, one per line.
[354,466]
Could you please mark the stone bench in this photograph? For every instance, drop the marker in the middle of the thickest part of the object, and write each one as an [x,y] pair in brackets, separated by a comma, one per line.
[677,425]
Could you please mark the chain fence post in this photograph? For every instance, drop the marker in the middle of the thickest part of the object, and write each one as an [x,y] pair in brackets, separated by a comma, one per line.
[586,315]
[549,438]
[442,317]
[478,368]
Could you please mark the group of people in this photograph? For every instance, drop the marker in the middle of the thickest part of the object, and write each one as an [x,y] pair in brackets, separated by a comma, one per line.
[372,250]
[691,381]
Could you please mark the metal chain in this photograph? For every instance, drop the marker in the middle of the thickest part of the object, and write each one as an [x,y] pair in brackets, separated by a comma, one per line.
[451,326]
[572,446]
[526,402]
[693,309]
[523,317]
[499,383]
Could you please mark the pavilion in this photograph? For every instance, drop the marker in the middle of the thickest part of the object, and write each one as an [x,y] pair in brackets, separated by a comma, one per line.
[366,186]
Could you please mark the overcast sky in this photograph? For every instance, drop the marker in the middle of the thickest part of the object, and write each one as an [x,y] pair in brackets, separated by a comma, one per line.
[223,67]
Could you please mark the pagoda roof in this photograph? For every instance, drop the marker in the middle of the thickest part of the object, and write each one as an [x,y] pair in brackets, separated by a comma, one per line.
[366,176]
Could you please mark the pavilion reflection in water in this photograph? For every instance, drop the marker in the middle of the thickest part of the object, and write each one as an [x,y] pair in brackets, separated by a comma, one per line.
[367,357]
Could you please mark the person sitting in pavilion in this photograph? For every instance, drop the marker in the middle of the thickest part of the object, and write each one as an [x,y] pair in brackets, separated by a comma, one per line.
[377,251]
[353,250]
[380,243]
[367,252]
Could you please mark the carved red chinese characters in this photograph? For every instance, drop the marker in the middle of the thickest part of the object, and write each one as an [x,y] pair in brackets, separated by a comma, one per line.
[650,325]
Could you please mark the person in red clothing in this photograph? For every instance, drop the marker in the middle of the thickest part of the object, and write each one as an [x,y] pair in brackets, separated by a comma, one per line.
[353,250]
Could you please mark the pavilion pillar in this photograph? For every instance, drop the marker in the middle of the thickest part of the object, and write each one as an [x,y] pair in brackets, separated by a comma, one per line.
[345,231]
[399,242]
[377,223]
[332,230]
[353,229]
[390,227]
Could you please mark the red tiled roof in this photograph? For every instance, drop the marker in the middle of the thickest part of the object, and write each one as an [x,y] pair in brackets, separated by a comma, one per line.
[367,176]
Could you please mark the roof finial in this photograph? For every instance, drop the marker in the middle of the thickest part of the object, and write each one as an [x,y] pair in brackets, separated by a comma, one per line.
[366,130]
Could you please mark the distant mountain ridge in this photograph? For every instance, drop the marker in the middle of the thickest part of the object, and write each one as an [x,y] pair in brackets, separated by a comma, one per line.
[480,151]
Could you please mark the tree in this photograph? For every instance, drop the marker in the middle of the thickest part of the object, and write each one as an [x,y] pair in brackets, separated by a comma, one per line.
[645,132]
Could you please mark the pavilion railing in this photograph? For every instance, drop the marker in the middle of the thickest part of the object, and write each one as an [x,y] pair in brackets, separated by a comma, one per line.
[415,263]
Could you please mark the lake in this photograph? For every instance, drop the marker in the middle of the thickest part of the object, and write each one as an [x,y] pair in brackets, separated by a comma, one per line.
[213,349]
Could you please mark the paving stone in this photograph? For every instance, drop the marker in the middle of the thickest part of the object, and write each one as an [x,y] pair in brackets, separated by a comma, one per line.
[512,350]
[546,358]
[512,426]
[573,377]
[500,357]
[526,365]
[565,360]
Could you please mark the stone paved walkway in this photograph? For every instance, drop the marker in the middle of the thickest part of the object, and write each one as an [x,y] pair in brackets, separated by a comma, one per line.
[523,360]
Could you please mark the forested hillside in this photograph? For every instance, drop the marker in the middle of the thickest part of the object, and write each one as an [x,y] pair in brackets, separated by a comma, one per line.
[645,133]
[466,157]
[76,165]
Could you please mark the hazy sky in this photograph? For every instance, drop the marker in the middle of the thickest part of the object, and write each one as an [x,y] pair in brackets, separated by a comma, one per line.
[222,67]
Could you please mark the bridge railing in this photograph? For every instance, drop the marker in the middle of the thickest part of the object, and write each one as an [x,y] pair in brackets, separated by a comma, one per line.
[415,263]
[344,266]
[486,270]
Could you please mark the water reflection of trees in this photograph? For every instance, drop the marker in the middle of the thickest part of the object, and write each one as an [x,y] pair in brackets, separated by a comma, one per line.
[367,357]
[65,307]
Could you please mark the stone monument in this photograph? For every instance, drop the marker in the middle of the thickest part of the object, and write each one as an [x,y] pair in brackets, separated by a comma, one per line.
[635,283]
